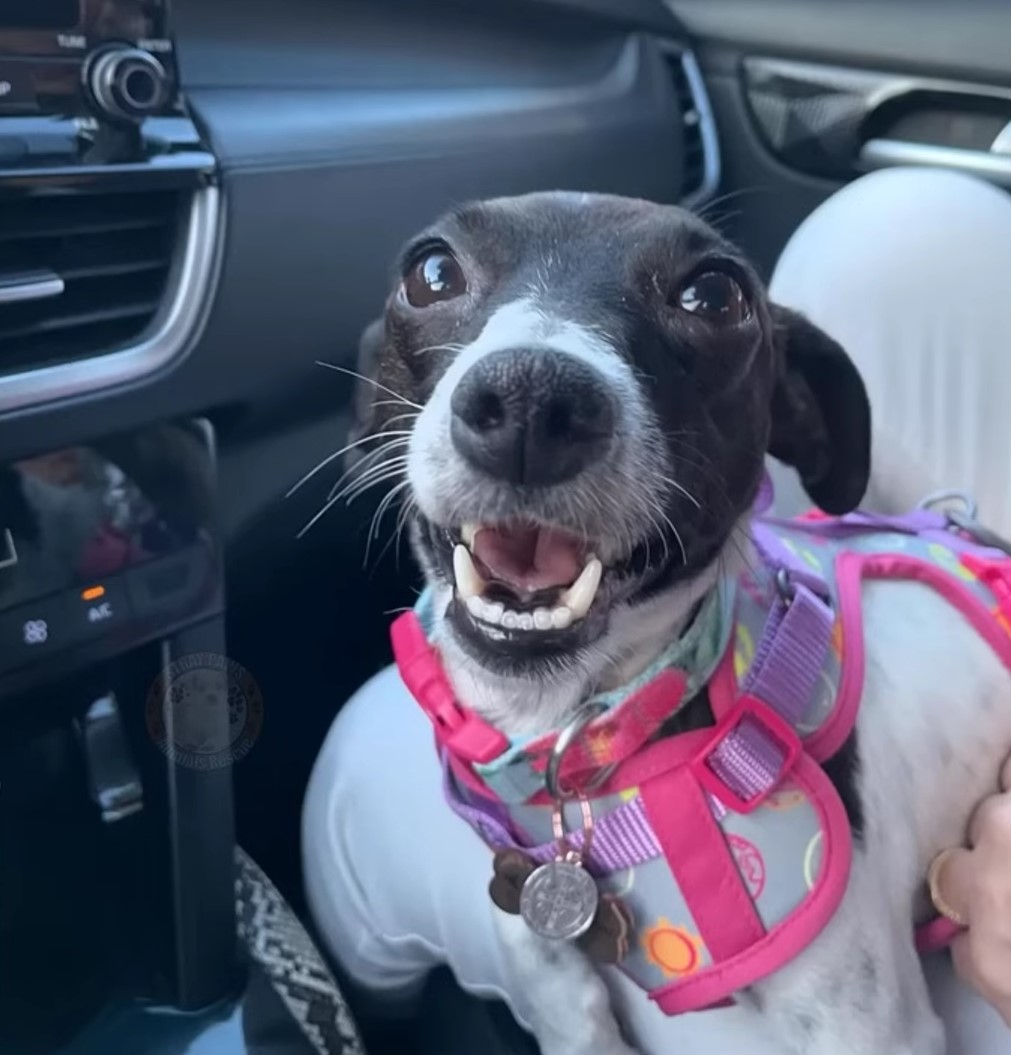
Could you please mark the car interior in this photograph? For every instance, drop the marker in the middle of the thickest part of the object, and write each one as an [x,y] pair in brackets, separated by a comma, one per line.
[200,202]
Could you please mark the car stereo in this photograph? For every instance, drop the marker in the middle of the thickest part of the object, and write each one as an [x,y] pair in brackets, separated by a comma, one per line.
[104,547]
[110,59]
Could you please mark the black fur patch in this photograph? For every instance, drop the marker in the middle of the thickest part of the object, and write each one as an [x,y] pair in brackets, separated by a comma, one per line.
[842,769]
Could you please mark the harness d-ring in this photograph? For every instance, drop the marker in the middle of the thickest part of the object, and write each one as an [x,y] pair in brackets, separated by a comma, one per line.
[784,585]
[964,519]
[941,499]
[566,738]
[983,535]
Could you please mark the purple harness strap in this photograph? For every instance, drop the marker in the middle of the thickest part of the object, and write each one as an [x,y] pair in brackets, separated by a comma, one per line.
[787,664]
[748,761]
[621,838]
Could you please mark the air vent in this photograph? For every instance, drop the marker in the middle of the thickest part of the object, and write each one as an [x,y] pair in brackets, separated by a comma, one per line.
[700,146]
[111,251]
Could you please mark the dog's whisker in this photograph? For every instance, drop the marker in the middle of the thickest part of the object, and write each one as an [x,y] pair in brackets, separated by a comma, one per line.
[354,489]
[388,499]
[377,517]
[449,347]
[370,381]
[396,537]
[681,489]
[330,458]
[412,414]
[366,479]
[380,474]
[369,462]
[327,506]
[391,403]
[358,487]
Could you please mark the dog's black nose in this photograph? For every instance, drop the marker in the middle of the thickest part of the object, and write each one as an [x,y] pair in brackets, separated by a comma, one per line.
[531,416]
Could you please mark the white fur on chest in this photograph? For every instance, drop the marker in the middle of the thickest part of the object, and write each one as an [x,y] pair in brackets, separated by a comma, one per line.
[934,726]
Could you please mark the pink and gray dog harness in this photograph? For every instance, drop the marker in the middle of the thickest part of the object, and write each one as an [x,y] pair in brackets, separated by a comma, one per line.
[729,846]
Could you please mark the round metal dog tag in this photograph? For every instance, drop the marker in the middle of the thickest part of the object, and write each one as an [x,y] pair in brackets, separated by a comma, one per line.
[559,900]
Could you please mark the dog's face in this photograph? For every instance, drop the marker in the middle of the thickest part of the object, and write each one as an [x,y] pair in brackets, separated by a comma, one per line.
[597,381]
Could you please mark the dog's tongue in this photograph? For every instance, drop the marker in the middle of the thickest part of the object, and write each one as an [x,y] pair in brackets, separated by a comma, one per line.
[528,558]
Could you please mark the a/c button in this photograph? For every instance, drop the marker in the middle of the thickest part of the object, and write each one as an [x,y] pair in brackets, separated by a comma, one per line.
[97,609]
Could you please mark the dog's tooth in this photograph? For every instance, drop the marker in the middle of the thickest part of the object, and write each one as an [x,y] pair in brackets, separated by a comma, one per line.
[493,612]
[468,533]
[468,583]
[579,596]
[561,617]
[476,607]
[510,620]
[525,621]
[542,618]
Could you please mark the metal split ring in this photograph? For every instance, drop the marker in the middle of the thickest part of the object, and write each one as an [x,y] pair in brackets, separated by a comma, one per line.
[566,738]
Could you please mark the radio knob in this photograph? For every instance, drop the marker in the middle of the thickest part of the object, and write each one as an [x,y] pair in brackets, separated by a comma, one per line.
[126,83]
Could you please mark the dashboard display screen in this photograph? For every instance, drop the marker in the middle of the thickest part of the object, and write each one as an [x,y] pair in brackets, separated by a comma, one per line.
[40,14]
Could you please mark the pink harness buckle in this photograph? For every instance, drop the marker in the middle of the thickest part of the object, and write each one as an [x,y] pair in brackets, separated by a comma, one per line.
[459,731]
[751,752]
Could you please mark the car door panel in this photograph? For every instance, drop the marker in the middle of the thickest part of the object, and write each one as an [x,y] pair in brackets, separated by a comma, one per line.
[808,94]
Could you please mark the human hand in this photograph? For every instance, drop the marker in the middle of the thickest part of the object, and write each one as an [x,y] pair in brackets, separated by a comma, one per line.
[972,887]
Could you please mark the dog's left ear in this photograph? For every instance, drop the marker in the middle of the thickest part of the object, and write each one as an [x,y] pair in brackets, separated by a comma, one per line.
[821,416]
[370,347]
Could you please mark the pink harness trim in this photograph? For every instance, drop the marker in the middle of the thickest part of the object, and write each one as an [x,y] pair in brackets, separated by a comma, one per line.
[758,959]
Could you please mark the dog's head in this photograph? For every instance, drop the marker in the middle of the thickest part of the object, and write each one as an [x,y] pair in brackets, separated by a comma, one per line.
[593,385]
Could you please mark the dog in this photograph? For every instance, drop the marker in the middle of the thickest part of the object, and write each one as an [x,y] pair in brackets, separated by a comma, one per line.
[583,390]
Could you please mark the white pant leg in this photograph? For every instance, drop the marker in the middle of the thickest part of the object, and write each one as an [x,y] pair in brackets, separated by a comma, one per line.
[398,884]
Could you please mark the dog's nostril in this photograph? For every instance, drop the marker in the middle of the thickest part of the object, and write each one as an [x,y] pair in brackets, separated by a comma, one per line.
[487,412]
[558,419]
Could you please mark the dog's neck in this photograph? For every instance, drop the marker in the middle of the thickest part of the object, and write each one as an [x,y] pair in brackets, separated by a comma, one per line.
[522,705]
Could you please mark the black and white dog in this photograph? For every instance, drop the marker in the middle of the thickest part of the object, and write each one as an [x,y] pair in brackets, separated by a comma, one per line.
[592,385]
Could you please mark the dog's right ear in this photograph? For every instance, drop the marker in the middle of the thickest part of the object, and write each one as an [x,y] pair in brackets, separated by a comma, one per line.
[364,409]
[821,414]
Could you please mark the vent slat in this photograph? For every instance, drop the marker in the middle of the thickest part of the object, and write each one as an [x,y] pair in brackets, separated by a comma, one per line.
[41,230]
[63,322]
[114,253]
[694,159]
[126,267]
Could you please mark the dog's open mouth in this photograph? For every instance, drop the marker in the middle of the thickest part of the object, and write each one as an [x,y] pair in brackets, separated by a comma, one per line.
[524,577]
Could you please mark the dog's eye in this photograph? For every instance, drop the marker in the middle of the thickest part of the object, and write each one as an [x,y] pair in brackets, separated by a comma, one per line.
[434,276]
[716,297]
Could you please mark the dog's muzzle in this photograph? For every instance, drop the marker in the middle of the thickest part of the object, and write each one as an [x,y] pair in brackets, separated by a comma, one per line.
[532,416]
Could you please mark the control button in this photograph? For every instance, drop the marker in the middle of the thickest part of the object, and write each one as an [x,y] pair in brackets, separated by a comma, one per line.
[97,609]
[171,584]
[17,85]
[127,83]
[34,631]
